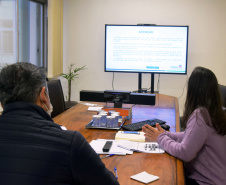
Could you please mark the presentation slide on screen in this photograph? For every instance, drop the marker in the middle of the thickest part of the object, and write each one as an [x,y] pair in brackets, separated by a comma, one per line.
[146,49]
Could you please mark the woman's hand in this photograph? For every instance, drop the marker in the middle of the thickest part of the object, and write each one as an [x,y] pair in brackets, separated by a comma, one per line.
[151,132]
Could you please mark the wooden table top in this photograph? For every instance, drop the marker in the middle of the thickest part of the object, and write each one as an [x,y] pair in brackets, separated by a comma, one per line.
[168,168]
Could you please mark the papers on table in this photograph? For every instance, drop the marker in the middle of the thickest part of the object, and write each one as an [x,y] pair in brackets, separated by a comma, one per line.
[98,145]
[145,147]
[123,147]
[89,104]
[63,127]
[94,108]
[126,143]
[144,177]
[127,135]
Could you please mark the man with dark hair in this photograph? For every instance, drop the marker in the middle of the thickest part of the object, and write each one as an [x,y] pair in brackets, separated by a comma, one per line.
[35,150]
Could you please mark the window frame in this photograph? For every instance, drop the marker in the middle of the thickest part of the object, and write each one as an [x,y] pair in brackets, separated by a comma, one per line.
[44,31]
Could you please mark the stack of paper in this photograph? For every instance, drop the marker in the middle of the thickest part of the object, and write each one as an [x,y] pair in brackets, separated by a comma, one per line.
[131,136]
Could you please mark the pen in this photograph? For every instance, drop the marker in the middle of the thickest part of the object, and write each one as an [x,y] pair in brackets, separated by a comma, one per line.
[130,132]
[107,156]
[116,175]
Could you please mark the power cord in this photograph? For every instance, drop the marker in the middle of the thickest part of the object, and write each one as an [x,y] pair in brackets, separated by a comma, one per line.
[158,84]
[184,87]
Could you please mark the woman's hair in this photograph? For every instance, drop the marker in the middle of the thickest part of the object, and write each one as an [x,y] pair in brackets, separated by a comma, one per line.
[21,82]
[203,91]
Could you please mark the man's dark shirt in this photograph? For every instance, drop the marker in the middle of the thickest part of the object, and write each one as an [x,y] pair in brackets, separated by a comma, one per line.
[36,151]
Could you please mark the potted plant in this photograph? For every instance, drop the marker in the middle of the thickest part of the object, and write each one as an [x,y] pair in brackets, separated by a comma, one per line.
[70,76]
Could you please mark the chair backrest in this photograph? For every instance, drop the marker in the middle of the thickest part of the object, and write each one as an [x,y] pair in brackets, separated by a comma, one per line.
[56,97]
[222,89]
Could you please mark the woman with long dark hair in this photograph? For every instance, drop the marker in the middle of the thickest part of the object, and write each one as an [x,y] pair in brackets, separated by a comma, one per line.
[202,146]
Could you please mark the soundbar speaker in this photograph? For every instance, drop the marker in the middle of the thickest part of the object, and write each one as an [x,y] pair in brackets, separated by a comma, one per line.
[97,96]
[134,98]
[142,98]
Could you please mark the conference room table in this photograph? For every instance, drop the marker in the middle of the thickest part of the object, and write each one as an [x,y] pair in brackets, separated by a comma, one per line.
[168,168]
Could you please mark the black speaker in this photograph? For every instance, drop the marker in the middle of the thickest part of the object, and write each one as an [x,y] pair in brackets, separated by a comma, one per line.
[97,96]
[134,98]
[142,98]
[116,96]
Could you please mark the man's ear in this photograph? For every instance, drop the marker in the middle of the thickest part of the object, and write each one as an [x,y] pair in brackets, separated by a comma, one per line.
[43,96]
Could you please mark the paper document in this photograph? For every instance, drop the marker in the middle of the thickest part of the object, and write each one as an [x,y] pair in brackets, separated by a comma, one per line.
[122,135]
[63,127]
[94,108]
[89,104]
[98,145]
[144,177]
[145,147]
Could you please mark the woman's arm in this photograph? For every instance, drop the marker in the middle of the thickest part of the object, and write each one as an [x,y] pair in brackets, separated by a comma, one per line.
[193,139]
[176,136]
[153,133]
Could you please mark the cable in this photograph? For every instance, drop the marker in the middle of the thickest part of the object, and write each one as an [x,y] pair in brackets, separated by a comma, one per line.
[158,83]
[133,105]
[183,88]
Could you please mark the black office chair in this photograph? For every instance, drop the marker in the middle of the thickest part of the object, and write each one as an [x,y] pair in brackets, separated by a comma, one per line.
[69,104]
[222,89]
[56,97]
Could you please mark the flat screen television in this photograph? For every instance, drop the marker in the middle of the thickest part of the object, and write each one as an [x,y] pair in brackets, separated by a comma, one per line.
[142,48]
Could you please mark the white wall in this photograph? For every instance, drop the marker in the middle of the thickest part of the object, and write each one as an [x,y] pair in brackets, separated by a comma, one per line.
[84,33]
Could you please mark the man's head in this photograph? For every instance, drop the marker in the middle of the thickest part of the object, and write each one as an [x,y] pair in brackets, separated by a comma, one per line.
[23,82]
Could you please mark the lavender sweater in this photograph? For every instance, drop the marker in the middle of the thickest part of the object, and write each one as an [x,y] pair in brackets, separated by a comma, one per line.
[202,150]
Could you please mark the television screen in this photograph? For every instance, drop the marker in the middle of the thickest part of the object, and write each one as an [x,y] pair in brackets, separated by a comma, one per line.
[146,48]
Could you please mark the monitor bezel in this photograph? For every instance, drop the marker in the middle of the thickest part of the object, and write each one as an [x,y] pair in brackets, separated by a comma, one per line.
[147,25]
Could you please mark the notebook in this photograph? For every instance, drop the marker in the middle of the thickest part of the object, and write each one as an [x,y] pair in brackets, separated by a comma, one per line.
[123,135]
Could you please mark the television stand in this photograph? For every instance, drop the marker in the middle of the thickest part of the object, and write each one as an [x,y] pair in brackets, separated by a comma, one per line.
[145,91]
[140,90]
[116,105]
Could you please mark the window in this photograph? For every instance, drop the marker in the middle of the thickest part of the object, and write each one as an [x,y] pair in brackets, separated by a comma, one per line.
[23,32]
[8,53]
